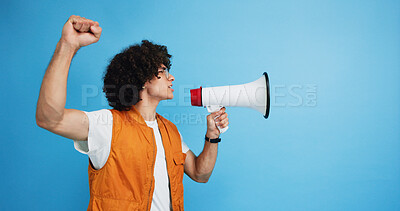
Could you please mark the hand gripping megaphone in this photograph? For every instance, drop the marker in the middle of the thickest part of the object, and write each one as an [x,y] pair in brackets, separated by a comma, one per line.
[253,95]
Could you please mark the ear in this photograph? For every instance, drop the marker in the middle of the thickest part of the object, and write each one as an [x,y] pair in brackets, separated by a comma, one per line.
[147,84]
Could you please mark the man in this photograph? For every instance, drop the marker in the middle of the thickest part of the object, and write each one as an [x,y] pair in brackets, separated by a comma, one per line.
[137,157]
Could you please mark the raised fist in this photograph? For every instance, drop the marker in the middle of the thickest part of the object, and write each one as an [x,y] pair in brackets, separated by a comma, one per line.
[78,32]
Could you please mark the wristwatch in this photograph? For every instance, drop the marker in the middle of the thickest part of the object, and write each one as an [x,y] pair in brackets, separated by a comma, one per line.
[215,140]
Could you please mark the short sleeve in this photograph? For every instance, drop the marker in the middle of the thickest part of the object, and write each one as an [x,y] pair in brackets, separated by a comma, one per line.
[185,148]
[98,145]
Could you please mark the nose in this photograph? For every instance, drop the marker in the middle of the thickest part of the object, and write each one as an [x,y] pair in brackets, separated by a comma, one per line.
[171,77]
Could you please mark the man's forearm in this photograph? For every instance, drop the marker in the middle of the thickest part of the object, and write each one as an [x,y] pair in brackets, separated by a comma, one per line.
[205,162]
[52,97]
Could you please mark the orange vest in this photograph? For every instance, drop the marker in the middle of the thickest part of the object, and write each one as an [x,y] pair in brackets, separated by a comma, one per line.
[126,181]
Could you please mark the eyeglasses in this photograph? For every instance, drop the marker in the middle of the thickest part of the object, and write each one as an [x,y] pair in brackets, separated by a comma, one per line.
[166,72]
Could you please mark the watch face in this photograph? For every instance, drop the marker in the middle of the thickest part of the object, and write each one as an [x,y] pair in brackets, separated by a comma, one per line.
[216,140]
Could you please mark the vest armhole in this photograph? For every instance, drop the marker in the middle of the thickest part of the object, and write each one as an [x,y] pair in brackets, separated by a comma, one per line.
[113,134]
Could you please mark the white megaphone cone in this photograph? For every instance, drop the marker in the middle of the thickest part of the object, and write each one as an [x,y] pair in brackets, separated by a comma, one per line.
[253,95]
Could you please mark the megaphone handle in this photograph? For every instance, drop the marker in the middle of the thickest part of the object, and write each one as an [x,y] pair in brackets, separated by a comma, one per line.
[222,130]
[214,108]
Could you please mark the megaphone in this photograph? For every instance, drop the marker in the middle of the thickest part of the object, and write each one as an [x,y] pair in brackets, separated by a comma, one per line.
[253,95]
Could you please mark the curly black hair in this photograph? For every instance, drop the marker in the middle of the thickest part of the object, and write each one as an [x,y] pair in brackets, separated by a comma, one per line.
[129,70]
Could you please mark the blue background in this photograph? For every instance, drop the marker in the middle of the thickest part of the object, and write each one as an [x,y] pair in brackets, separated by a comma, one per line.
[332,140]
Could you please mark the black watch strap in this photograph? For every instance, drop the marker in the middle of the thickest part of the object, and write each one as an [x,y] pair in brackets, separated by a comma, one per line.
[215,140]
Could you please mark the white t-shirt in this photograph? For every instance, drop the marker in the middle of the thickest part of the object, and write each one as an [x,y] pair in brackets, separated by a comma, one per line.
[98,147]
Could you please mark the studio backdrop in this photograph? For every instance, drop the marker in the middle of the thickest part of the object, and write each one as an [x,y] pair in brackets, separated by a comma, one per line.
[331,141]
